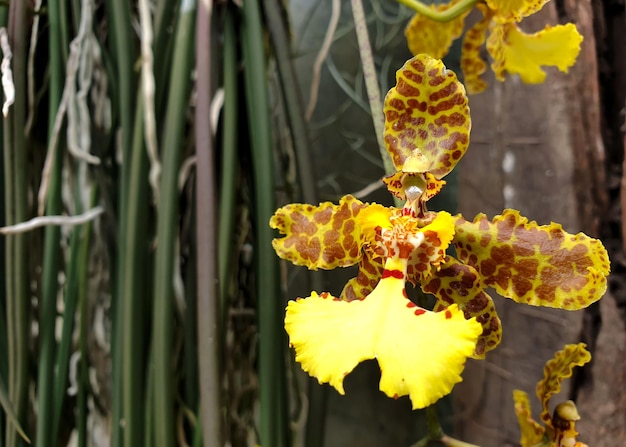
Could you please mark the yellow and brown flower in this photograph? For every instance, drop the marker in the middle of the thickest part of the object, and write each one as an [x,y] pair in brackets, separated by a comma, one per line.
[421,353]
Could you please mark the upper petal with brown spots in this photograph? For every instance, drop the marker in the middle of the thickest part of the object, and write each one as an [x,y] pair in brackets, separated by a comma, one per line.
[427,121]
[540,265]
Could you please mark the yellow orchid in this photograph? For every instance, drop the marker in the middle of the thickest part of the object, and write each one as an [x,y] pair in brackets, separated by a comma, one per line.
[559,429]
[422,353]
[510,48]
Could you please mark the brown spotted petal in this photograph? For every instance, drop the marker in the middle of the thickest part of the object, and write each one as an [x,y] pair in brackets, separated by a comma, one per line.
[540,265]
[427,121]
[458,283]
[472,63]
[324,236]
[558,368]
[371,269]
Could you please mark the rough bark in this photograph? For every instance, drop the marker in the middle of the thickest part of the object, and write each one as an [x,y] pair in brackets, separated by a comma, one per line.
[543,149]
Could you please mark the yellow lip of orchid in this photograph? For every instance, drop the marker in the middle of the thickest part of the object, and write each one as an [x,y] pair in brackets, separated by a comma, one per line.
[421,353]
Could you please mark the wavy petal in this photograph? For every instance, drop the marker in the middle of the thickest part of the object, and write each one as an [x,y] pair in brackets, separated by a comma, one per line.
[421,353]
[457,283]
[558,368]
[525,54]
[532,434]
[371,268]
[496,47]
[424,35]
[515,10]
[472,64]
[427,119]
[324,236]
[540,265]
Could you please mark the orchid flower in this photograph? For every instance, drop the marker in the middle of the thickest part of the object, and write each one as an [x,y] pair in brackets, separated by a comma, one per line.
[511,49]
[422,352]
[559,428]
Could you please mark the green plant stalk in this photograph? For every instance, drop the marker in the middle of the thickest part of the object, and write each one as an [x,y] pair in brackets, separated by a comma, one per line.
[208,305]
[83,371]
[230,122]
[47,312]
[16,142]
[435,432]
[4,328]
[191,352]
[165,10]
[149,414]
[10,412]
[439,16]
[52,249]
[4,361]
[77,239]
[317,395]
[134,254]
[292,98]
[75,13]
[167,230]
[122,58]
[274,425]
[64,42]
[10,269]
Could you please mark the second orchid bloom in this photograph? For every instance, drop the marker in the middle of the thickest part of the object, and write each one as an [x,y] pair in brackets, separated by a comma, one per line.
[511,49]
[422,353]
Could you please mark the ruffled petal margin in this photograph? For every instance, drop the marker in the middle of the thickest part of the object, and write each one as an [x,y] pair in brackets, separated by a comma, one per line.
[421,353]
[525,54]
[558,368]
[540,265]
[472,64]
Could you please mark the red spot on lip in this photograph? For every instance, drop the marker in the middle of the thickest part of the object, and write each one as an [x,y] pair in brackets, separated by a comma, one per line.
[393,273]
[411,304]
[448,314]
[419,311]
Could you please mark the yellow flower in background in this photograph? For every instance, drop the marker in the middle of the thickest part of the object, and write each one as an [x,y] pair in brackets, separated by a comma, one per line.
[511,49]
[559,428]
[422,37]
[422,353]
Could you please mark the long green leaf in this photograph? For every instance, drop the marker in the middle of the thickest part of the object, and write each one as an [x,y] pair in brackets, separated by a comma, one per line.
[273,411]
[172,143]
[8,409]
[16,211]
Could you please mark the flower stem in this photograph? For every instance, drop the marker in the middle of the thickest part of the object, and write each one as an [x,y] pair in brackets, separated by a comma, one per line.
[439,16]
[436,434]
